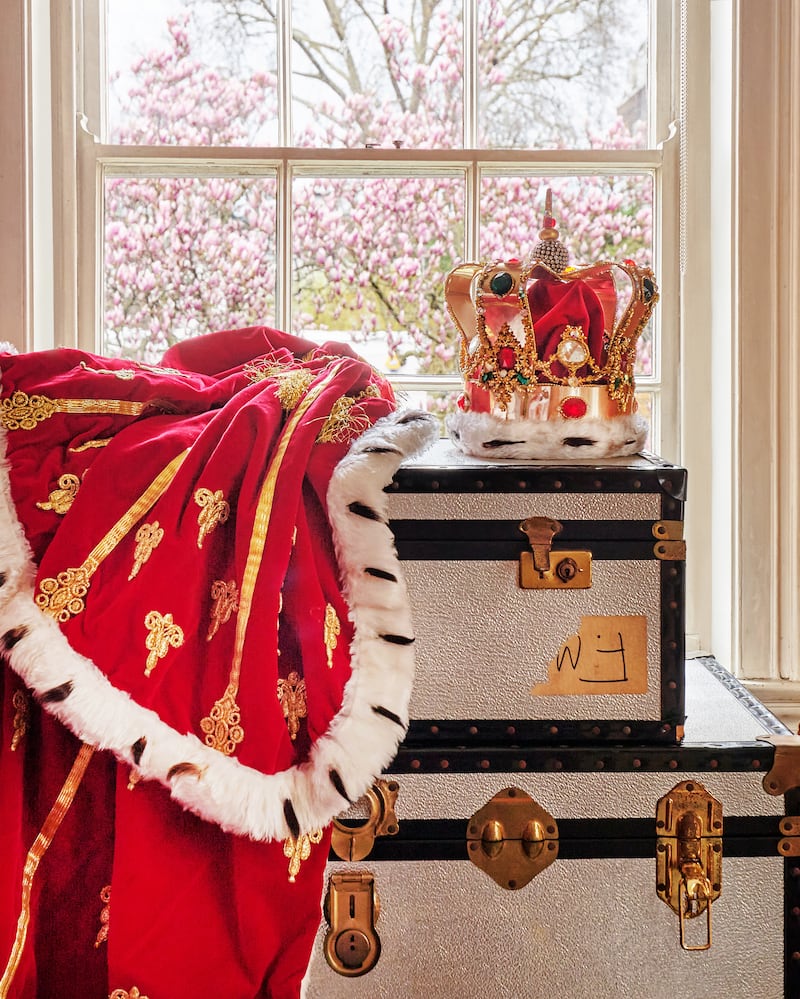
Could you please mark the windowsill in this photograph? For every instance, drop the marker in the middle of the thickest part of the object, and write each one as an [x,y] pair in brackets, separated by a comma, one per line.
[782,697]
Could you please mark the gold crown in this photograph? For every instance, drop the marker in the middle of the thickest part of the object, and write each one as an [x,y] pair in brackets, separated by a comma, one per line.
[541,341]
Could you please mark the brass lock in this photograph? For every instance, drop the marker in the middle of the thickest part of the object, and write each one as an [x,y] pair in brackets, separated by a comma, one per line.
[689,855]
[544,569]
[352,946]
[354,843]
[512,838]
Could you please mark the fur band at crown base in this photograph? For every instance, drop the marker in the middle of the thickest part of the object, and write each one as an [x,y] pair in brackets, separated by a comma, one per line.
[485,436]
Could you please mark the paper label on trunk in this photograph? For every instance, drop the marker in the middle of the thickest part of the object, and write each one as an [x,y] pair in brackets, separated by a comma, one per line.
[608,655]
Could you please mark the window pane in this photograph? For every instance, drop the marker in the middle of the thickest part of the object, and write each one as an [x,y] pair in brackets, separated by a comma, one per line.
[376,72]
[648,408]
[599,217]
[370,256]
[571,74]
[183,256]
[183,72]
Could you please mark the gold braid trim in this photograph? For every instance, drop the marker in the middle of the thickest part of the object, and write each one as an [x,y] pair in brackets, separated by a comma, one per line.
[63,596]
[124,994]
[21,411]
[222,726]
[37,851]
[97,442]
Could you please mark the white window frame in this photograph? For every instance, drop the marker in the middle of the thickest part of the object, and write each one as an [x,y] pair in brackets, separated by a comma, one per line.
[95,159]
[735,360]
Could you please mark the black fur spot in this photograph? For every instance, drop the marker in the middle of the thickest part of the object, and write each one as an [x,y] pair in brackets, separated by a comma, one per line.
[13,636]
[496,443]
[381,574]
[578,442]
[397,639]
[291,819]
[2,579]
[386,713]
[413,417]
[137,749]
[182,769]
[375,449]
[59,693]
[338,783]
[362,510]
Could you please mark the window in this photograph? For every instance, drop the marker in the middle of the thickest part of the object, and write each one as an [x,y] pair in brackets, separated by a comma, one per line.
[321,166]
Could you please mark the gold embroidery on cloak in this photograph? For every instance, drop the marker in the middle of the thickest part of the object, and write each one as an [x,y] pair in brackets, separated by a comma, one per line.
[291,383]
[148,538]
[22,713]
[342,423]
[40,846]
[124,994]
[222,734]
[61,499]
[124,374]
[62,596]
[292,697]
[157,369]
[214,510]
[225,597]
[222,727]
[163,634]
[298,850]
[96,442]
[292,386]
[21,411]
[105,914]
[331,631]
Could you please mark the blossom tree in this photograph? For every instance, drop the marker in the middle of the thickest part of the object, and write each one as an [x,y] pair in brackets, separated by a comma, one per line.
[185,255]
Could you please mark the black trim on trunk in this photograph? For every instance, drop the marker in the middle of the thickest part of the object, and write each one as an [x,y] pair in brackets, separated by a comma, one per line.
[511,758]
[578,839]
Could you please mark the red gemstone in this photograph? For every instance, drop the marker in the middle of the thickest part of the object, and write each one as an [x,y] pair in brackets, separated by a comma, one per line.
[506,358]
[573,408]
[549,222]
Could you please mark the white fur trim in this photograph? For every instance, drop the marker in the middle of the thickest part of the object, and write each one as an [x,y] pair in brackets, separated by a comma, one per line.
[360,741]
[479,433]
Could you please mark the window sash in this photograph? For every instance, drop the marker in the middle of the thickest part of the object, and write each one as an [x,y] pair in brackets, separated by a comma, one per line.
[98,160]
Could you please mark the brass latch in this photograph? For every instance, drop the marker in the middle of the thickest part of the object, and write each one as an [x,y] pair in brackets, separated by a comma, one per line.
[543,569]
[670,546]
[354,843]
[689,854]
[352,946]
[512,838]
[785,772]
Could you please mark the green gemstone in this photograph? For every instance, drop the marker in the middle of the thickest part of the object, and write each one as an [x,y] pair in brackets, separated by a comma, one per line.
[502,283]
